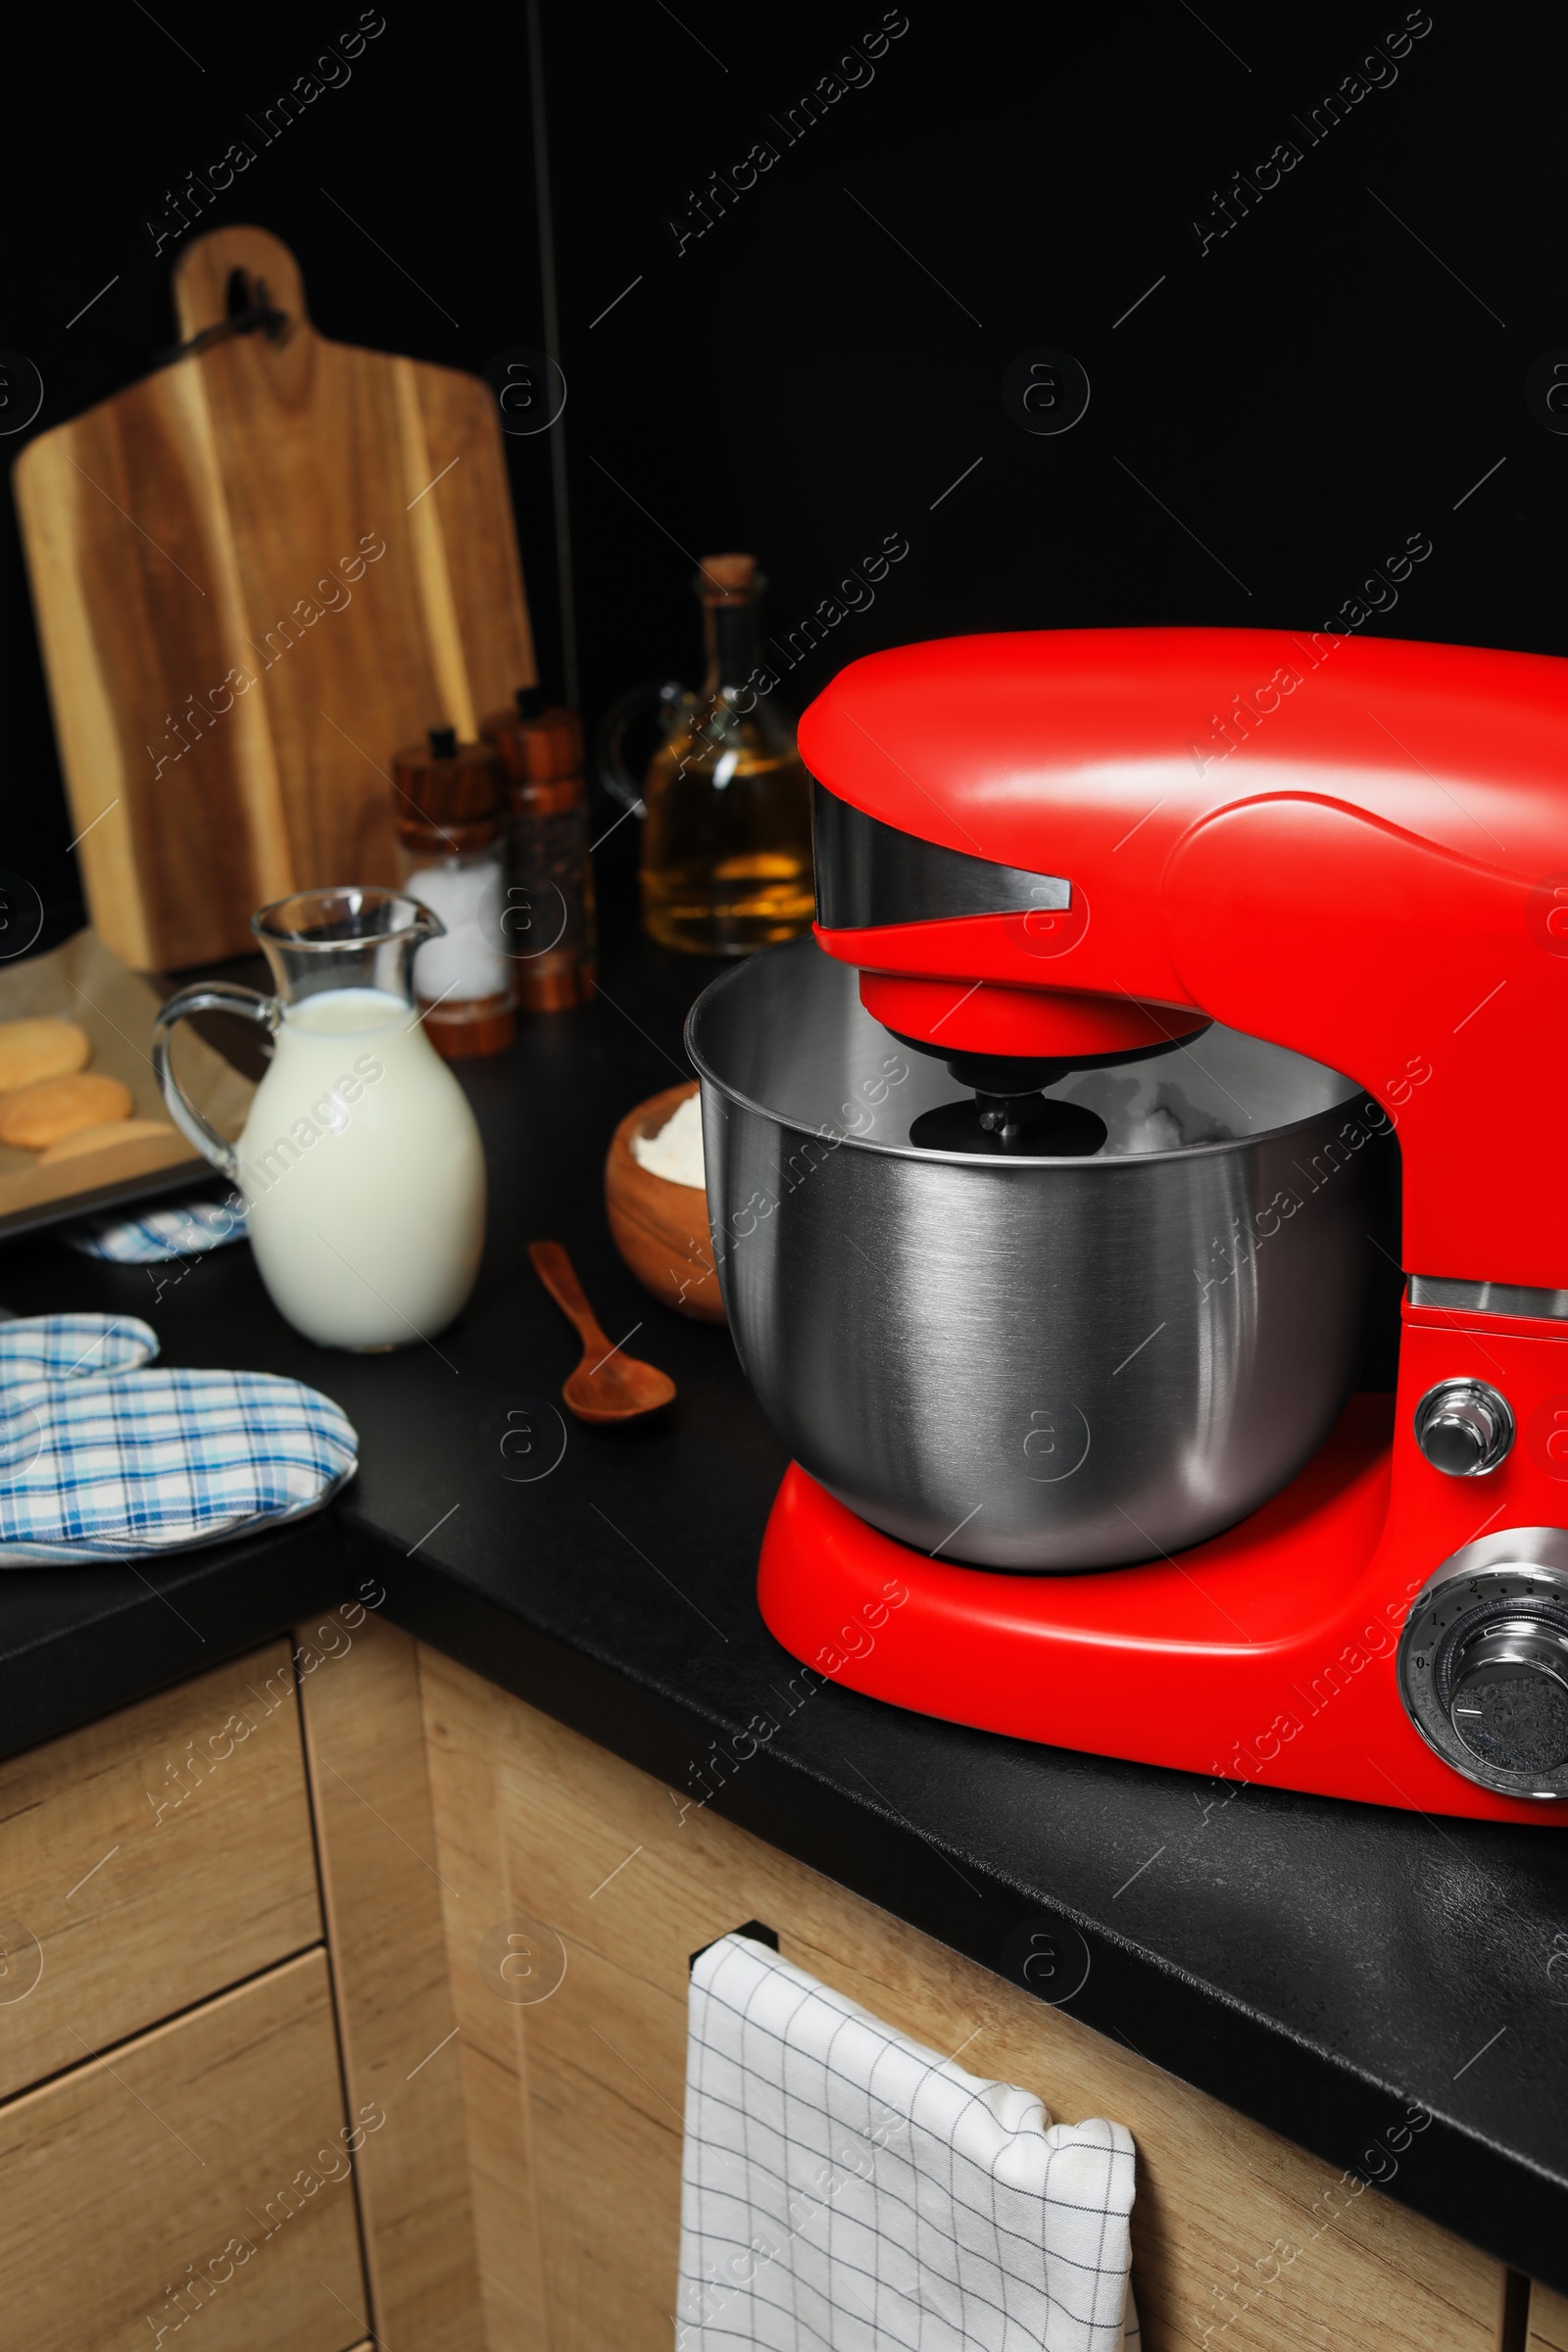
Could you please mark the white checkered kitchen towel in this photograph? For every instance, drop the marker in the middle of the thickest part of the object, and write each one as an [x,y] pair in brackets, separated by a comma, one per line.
[846,2191]
[102,1459]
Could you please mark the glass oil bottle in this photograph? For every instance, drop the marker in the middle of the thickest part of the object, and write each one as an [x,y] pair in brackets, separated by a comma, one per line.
[726,844]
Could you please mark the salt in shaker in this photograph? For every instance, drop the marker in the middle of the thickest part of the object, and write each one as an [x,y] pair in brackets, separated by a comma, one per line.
[454,862]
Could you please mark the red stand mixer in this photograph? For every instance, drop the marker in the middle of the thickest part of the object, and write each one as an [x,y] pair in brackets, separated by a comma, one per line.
[1100,885]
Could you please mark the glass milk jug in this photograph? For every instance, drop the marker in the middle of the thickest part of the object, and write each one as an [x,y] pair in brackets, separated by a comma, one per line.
[360,1163]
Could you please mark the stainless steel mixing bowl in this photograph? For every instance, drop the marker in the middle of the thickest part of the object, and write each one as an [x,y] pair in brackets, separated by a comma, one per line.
[1030,1363]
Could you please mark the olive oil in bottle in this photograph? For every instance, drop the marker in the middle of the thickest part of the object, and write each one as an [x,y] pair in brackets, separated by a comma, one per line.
[727,847]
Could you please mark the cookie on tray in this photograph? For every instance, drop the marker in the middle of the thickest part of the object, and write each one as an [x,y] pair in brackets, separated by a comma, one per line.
[87,1140]
[33,1117]
[37,1049]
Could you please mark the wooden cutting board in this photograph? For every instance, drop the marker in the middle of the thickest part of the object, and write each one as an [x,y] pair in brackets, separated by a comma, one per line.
[257,574]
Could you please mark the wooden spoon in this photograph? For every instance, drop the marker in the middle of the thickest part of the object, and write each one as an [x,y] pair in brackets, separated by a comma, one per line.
[607,1386]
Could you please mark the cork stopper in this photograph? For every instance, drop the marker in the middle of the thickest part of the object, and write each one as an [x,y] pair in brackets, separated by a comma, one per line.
[727,579]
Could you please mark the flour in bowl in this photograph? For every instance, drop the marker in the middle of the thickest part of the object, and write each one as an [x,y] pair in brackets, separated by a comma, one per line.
[675,1152]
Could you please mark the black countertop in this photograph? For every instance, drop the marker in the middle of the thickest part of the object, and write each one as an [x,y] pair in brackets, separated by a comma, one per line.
[1320,1966]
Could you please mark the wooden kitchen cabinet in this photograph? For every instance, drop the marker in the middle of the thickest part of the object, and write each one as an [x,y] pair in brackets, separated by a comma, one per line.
[446,1937]
[149,1860]
[198,2178]
[173,2146]
[568,1892]
[1548,2321]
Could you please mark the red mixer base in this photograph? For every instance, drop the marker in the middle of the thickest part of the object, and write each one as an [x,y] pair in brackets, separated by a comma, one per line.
[1266,1654]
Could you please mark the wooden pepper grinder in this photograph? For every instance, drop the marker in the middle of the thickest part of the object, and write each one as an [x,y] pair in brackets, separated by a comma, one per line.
[550,878]
[447,809]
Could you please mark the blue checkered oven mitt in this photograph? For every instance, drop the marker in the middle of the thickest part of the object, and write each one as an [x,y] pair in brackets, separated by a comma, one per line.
[159,1234]
[101,1459]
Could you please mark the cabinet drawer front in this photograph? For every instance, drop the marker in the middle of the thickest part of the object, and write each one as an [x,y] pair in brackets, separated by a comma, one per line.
[149,1860]
[198,2175]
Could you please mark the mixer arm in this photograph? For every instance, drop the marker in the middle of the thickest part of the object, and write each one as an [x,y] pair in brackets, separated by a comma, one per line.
[1436,982]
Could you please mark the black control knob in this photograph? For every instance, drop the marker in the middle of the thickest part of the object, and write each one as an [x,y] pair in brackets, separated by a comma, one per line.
[1463,1427]
[1483,1662]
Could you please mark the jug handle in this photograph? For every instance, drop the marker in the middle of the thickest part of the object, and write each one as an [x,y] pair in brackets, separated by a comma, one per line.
[613,773]
[220,996]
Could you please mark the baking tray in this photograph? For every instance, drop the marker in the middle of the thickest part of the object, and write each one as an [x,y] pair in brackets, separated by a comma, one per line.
[86,982]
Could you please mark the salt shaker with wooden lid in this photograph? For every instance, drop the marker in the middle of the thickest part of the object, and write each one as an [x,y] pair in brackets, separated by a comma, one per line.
[453,856]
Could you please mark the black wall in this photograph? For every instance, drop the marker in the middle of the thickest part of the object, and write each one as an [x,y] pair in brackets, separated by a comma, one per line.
[815,371]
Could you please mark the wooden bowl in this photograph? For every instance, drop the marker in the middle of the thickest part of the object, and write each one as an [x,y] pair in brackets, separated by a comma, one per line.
[659,1228]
